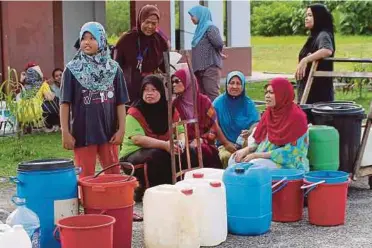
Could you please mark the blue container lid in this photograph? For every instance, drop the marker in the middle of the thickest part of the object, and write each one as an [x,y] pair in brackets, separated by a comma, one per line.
[290,174]
[46,164]
[327,176]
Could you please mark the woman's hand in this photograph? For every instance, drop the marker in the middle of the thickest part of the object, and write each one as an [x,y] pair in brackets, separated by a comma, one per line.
[68,141]
[167,147]
[194,143]
[240,154]
[250,157]
[245,134]
[301,69]
[230,147]
[117,138]
[224,56]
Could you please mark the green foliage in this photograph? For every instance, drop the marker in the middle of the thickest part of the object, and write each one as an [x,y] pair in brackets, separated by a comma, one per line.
[277,18]
[356,17]
[117,17]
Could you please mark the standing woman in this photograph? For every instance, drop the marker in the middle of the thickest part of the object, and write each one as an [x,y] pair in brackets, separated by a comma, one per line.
[139,52]
[207,53]
[319,45]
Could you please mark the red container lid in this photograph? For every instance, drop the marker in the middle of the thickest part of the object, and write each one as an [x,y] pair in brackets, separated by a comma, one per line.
[215,184]
[198,175]
[187,191]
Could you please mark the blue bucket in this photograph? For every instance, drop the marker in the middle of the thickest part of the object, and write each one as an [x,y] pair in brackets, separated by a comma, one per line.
[330,177]
[50,189]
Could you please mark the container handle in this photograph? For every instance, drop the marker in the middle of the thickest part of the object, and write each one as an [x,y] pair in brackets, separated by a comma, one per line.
[122,166]
[78,170]
[15,180]
[283,183]
[56,237]
[311,187]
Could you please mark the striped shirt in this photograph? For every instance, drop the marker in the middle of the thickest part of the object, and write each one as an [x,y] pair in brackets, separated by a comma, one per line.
[207,51]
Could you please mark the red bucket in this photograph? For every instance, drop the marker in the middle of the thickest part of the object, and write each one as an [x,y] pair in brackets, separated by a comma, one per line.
[122,226]
[93,231]
[111,194]
[327,202]
[288,201]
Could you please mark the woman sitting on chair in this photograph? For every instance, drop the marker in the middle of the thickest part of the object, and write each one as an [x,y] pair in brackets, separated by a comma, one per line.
[146,137]
[207,119]
[237,113]
[281,138]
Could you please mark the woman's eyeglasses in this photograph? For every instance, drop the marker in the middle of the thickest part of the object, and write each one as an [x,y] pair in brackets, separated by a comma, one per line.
[176,81]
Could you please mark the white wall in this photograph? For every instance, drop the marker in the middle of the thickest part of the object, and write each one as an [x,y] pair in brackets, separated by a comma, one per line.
[216,8]
[74,15]
[238,23]
[187,27]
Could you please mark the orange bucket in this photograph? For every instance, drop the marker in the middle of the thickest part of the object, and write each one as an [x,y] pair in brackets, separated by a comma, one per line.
[92,230]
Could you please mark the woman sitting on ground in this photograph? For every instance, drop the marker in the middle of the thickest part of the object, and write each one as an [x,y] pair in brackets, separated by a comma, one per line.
[146,137]
[281,138]
[207,119]
[237,113]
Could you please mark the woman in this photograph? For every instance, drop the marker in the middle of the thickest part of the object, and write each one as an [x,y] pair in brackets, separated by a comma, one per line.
[237,113]
[281,138]
[208,126]
[140,51]
[30,100]
[51,108]
[319,45]
[146,138]
[207,55]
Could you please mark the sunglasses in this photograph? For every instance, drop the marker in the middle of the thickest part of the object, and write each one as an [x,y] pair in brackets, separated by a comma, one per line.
[176,81]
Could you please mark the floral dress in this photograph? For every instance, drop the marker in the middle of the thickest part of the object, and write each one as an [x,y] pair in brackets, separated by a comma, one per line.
[290,156]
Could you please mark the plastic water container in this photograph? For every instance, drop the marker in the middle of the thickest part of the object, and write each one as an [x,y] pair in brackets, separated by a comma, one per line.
[205,173]
[15,237]
[323,148]
[50,189]
[26,218]
[249,199]
[170,217]
[211,201]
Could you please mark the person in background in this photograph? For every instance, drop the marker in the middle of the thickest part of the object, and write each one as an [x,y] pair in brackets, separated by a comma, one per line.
[319,45]
[281,137]
[139,52]
[94,90]
[236,113]
[207,55]
[51,108]
[207,119]
[31,98]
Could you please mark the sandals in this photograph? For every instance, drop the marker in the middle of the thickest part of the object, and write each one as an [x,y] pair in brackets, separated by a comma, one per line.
[137,218]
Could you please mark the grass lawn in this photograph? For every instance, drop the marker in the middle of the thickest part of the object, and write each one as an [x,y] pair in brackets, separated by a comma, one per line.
[29,147]
[280,54]
[270,54]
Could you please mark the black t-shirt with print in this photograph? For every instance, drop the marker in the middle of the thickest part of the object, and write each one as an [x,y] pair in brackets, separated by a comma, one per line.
[93,118]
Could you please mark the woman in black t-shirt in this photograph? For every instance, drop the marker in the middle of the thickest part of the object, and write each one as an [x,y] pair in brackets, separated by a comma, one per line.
[319,45]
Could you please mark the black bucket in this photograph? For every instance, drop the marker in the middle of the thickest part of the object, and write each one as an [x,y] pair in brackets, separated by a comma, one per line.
[347,119]
[307,109]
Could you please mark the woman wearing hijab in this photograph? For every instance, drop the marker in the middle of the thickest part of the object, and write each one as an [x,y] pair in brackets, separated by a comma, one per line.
[281,138]
[147,138]
[319,45]
[208,126]
[139,52]
[94,91]
[237,113]
[36,90]
[207,55]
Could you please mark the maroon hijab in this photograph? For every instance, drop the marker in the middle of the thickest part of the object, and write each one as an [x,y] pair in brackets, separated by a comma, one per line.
[285,122]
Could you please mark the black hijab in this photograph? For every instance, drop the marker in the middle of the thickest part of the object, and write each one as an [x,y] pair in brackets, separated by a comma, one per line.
[323,21]
[156,115]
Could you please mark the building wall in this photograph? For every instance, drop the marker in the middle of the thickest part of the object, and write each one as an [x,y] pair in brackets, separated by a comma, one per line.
[75,14]
[30,37]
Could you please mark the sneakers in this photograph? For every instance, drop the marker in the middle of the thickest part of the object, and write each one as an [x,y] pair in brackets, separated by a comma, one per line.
[52,129]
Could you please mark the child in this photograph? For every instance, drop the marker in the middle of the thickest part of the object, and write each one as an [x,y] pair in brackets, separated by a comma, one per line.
[94,90]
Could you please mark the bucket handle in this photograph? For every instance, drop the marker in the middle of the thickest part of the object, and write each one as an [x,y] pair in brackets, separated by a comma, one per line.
[118,164]
[283,183]
[311,187]
[15,180]
[56,237]
[78,170]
